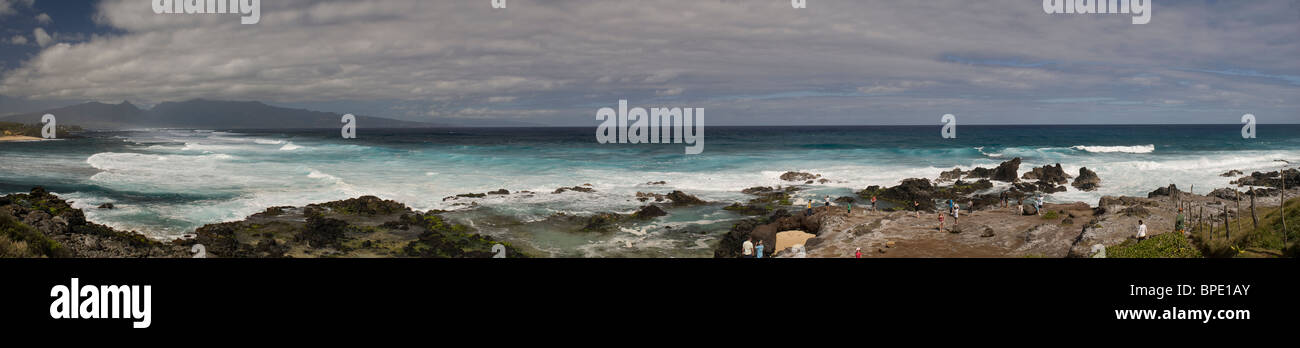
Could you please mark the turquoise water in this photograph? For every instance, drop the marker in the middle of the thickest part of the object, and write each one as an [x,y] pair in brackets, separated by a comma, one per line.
[168,182]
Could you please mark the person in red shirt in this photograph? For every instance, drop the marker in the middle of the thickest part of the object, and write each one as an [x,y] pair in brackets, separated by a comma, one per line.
[858,254]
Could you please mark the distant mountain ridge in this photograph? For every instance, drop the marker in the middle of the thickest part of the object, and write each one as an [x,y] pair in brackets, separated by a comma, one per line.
[204,114]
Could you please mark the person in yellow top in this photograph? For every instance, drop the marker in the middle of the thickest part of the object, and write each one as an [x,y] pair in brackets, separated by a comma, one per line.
[809,211]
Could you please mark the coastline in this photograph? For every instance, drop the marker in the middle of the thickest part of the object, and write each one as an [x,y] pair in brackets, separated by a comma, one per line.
[18,138]
[369,226]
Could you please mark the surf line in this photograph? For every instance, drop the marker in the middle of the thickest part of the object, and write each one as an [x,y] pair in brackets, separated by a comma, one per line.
[655,126]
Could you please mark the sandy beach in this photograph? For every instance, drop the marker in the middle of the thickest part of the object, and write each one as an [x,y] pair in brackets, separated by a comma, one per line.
[9,138]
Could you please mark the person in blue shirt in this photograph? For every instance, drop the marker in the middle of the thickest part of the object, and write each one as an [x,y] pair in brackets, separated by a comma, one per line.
[758,250]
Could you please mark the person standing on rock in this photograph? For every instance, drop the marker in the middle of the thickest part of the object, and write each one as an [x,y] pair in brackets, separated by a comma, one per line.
[809,211]
[747,249]
[1142,230]
[1004,199]
[849,205]
[1038,206]
[858,253]
[758,250]
[940,221]
[917,206]
[873,203]
[828,200]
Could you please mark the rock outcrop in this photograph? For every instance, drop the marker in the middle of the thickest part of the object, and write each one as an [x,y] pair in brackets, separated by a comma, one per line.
[1171,190]
[40,224]
[1050,174]
[1087,180]
[910,190]
[365,226]
[1271,179]
[799,176]
[766,229]
[1007,171]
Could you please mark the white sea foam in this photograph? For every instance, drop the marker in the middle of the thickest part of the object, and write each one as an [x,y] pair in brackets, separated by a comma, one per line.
[289,147]
[1149,148]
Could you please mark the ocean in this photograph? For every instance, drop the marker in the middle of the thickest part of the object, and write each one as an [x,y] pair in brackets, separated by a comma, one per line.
[165,183]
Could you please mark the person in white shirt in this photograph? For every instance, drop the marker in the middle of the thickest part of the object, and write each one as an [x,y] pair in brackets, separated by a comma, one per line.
[1142,230]
[748,248]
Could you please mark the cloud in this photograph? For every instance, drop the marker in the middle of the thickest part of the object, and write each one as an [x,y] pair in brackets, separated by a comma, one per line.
[9,7]
[42,38]
[44,19]
[894,87]
[839,62]
[669,92]
[18,40]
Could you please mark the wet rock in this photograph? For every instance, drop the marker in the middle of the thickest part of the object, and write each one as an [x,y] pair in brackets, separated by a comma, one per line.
[106,206]
[681,198]
[745,209]
[988,232]
[367,205]
[951,175]
[1165,191]
[499,192]
[649,212]
[1038,186]
[575,188]
[1087,180]
[657,183]
[846,199]
[1007,171]
[799,176]
[1271,179]
[1050,174]
[1231,173]
[979,172]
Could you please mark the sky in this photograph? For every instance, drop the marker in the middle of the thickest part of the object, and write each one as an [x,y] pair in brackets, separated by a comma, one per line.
[752,62]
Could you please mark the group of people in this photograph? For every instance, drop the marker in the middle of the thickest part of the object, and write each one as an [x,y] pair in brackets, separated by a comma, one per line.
[749,250]
[847,205]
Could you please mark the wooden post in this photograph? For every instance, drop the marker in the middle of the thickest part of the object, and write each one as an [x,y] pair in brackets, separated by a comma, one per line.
[1254,218]
[1238,211]
[1227,226]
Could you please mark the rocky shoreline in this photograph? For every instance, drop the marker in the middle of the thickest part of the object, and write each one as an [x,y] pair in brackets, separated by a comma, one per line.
[39,224]
[908,226]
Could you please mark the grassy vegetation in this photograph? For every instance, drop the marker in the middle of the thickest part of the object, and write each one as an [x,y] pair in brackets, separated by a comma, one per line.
[1051,215]
[31,130]
[1165,245]
[19,240]
[1267,239]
